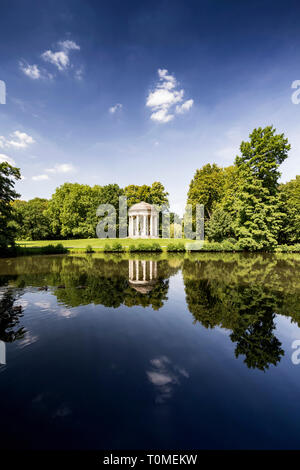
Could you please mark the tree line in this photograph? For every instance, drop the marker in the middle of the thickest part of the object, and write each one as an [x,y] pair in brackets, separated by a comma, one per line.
[244,202]
[71,211]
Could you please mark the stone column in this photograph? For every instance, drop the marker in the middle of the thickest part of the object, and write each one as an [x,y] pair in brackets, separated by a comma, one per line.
[144,270]
[151,225]
[150,268]
[144,226]
[155,226]
[137,270]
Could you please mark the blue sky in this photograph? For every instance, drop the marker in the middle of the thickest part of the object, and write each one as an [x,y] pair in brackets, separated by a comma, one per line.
[133,92]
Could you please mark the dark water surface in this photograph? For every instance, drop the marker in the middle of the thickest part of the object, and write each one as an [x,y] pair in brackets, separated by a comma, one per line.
[189,352]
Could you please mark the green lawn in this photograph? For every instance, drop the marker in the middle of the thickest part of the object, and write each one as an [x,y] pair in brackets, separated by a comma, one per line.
[98,243]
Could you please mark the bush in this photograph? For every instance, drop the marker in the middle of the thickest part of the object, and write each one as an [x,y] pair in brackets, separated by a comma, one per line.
[89,249]
[288,248]
[142,246]
[115,247]
[53,249]
[175,247]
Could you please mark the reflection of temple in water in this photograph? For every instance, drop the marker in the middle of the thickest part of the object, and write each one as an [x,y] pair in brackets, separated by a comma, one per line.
[142,275]
[2,353]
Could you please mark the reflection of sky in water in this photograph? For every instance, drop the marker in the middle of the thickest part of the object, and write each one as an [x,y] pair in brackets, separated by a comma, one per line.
[143,371]
[165,376]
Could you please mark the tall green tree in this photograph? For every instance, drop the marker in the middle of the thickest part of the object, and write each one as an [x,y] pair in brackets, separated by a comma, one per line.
[219,226]
[154,194]
[258,216]
[290,196]
[72,208]
[32,221]
[206,188]
[8,176]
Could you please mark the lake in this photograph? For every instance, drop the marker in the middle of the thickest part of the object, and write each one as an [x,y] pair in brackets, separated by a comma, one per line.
[186,351]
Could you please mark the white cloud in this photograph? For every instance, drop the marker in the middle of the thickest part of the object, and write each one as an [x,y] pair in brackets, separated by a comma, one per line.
[34,71]
[184,107]
[31,71]
[164,376]
[60,58]
[40,177]
[6,158]
[79,73]
[165,96]
[69,45]
[61,168]
[162,116]
[115,108]
[19,140]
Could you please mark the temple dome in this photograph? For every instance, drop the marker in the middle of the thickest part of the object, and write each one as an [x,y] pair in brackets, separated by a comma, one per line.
[142,207]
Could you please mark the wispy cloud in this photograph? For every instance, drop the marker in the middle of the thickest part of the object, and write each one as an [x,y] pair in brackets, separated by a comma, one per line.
[34,71]
[62,168]
[31,71]
[115,108]
[60,58]
[42,177]
[79,73]
[18,140]
[164,376]
[6,158]
[166,99]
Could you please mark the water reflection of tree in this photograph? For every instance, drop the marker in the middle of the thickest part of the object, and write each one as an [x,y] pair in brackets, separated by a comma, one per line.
[87,279]
[243,296]
[256,341]
[10,315]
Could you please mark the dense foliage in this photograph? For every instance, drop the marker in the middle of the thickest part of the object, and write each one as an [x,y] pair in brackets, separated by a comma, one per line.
[8,175]
[31,219]
[71,211]
[245,201]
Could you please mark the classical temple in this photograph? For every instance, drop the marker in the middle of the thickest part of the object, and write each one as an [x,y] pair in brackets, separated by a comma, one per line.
[143,221]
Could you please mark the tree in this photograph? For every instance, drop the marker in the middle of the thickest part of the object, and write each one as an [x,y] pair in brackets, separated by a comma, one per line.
[154,194]
[290,196]
[72,208]
[219,226]
[206,188]
[8,175]
[258,218]
[32,221]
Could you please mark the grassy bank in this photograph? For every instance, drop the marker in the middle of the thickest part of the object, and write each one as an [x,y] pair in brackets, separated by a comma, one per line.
[98,243]
[127,245]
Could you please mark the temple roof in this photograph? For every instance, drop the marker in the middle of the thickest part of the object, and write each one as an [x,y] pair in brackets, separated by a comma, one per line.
[142,207]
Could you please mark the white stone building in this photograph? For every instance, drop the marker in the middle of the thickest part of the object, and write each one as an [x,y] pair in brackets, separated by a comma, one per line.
[143,221]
